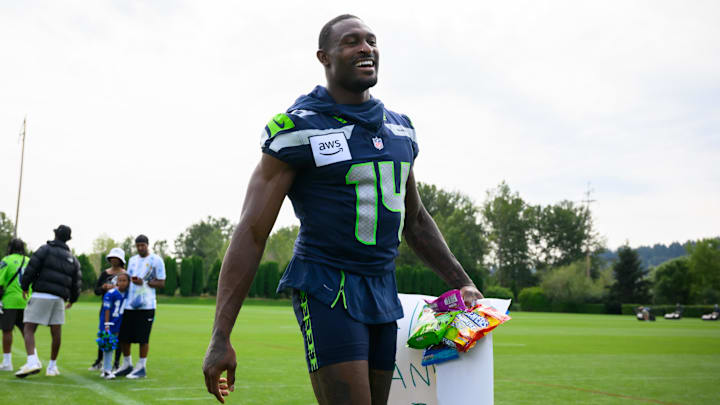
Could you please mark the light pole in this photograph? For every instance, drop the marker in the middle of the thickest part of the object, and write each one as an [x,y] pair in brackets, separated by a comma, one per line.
[22,161]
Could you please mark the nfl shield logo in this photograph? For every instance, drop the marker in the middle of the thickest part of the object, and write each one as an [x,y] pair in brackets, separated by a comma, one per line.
[378,143]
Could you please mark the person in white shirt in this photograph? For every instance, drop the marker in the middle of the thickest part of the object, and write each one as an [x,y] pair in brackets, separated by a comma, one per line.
[147,273]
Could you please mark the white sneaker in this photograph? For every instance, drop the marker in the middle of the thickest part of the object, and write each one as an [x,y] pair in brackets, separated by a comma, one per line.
[28,369]
[52,372]
[124,370]
[6,367]
[137,373]
[109,376]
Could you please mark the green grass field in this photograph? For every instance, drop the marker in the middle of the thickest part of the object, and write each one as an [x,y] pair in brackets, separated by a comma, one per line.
[540,358]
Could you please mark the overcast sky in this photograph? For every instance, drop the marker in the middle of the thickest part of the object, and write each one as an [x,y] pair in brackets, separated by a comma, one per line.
[144,117]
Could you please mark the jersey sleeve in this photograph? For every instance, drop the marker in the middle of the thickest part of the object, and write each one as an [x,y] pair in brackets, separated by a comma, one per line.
[107,300]
[413,138]
[283,139]
[159,264]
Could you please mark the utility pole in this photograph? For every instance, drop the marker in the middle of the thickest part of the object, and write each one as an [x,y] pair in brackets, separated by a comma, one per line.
[588,201]
[22,161]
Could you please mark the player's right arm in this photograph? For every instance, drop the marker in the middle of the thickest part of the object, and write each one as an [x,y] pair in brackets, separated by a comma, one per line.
[269,184]
[107,319]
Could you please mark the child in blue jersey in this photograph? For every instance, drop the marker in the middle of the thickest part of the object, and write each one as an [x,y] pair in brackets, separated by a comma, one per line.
[111,317]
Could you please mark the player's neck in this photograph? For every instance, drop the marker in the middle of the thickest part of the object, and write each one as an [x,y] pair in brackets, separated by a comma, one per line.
[344,96]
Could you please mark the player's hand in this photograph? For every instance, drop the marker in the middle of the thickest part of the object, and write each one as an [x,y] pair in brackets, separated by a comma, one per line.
[68,305]
[107,286]
[220,356]
[136,280]
[470,294]
[25,295]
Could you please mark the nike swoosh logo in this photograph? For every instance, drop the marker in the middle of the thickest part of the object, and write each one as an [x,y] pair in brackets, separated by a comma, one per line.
[334,153]
[280,125]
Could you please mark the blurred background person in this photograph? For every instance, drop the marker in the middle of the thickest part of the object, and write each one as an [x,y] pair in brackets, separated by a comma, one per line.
[13,303]
[111,318]
[105,283]
[147,272]
[55,277]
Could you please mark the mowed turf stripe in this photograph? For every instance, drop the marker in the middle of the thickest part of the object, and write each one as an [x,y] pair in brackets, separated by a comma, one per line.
[26,381]
[107,393]
[610,394]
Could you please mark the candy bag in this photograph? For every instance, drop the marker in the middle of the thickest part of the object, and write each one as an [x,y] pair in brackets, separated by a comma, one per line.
[439,354]
[450,301]
[469,327]
[487,317]
[430,328]
[463,331]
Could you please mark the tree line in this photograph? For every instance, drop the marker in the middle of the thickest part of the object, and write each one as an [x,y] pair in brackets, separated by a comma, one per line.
[545,257]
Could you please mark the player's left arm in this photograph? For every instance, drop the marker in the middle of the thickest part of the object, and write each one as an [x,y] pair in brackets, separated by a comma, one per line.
[159,281]
[423,236]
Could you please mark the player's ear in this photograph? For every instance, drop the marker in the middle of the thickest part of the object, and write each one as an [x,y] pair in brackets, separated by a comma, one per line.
[323,57]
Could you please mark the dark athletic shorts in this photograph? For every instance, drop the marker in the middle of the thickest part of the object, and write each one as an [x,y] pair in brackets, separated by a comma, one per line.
[332,336]
[10,318]
[136,325]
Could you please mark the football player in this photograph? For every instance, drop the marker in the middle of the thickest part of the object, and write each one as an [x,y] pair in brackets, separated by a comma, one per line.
[346,163]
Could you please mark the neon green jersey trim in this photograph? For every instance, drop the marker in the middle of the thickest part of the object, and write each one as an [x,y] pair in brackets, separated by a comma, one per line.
[341,292]
[280,122]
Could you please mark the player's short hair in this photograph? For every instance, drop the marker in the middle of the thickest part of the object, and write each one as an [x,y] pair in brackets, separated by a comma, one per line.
[327,29]
[16,246]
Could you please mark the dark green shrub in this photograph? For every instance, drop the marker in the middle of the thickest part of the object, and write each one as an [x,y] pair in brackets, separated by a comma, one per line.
[628,309]
[186,277]
[88,273]
[419,280]
[577,308]
[266,280]
[171,276]
[212,283]
[534,299]
[496,291]
[198,277]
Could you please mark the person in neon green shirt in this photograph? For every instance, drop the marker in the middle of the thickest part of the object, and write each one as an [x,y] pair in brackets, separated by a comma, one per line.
[13,302]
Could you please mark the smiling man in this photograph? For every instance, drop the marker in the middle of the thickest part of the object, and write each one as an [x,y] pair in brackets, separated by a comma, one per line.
[346,163]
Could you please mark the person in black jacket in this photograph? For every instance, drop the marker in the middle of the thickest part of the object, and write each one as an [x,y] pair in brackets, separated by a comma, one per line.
[54,274]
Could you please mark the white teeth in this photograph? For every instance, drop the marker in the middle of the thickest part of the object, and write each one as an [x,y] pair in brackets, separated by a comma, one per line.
[365,63]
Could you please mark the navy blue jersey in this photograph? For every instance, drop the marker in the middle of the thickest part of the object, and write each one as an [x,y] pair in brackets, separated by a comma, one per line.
[352,163]
[113,301]
[349,193]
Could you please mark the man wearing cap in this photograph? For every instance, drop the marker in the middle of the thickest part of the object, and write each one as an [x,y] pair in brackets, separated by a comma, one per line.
[54,274]
[147,272]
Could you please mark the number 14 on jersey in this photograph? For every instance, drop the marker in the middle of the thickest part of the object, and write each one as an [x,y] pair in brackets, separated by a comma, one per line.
[363,176]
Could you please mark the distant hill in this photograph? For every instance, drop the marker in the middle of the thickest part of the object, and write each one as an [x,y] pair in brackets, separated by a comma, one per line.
[652,256]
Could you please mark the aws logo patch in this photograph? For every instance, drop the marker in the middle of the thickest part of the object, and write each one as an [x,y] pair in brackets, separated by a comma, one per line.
[330,148]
